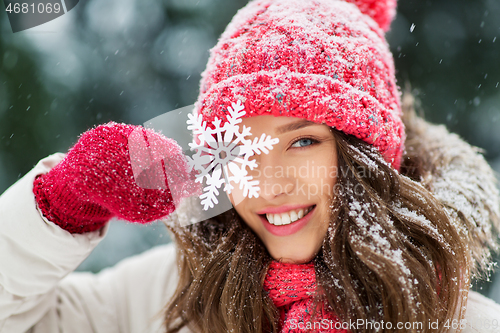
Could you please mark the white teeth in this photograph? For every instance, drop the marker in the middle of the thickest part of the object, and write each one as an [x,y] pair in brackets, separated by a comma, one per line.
[288,217]
[285,218]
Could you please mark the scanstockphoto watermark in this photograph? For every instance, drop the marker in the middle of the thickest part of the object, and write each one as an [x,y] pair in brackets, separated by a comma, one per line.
[229,169]
[359,324]
[26,14]
[309,170]
[310,190]
[293,180]
[480,324]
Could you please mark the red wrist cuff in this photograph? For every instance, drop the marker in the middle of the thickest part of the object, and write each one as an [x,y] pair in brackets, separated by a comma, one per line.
[51,204]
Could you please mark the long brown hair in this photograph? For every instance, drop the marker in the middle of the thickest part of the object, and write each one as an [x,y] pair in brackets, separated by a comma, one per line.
[391,254]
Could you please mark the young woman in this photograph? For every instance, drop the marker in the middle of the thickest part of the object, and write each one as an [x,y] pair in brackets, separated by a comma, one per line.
[361,223]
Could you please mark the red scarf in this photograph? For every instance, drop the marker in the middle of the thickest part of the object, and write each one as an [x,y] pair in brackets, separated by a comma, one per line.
[292,288]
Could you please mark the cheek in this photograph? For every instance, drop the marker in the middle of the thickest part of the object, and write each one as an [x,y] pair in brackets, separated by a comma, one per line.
[330,172]
[321,180]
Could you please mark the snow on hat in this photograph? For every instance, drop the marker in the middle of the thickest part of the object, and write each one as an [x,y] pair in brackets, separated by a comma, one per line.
[326,61]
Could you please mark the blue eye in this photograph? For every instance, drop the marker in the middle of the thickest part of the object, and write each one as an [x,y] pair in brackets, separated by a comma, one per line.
[303,143]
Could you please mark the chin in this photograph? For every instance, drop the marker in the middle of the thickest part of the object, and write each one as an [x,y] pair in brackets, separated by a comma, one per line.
[293,256]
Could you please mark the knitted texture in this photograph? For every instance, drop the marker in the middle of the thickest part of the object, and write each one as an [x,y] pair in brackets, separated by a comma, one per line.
[292,288]
[326,61]
[95,181]
[383,12]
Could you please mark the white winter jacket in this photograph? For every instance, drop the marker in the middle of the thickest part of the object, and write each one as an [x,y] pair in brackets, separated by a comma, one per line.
[40,293]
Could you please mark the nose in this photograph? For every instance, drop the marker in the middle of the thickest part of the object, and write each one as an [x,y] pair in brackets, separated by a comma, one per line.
[274,177]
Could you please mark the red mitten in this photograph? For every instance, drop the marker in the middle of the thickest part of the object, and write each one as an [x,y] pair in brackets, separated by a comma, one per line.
[95,181]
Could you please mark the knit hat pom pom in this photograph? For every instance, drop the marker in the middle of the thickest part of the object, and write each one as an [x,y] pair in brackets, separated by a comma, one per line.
[382,11]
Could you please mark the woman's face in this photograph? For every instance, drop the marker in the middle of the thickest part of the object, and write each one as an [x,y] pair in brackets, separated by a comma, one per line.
[296,180]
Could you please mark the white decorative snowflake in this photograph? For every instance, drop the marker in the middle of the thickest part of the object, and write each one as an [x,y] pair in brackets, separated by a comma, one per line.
[223,153]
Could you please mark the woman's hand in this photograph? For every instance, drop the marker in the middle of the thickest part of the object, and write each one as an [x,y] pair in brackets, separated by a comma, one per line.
[98,179]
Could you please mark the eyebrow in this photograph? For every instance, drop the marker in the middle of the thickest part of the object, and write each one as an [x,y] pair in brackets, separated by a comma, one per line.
[294,126]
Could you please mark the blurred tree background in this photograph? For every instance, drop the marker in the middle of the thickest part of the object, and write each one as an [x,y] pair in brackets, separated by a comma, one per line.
[130,61]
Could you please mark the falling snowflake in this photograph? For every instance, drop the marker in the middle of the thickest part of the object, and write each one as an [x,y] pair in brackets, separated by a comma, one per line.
[225,159]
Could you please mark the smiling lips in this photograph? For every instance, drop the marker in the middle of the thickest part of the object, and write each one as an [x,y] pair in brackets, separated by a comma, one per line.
[286,220]
[288,217]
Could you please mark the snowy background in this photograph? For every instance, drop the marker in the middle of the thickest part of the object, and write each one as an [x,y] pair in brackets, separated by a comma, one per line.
[132,60]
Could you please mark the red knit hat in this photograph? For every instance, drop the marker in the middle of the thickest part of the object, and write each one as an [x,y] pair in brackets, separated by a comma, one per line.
[326,61]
